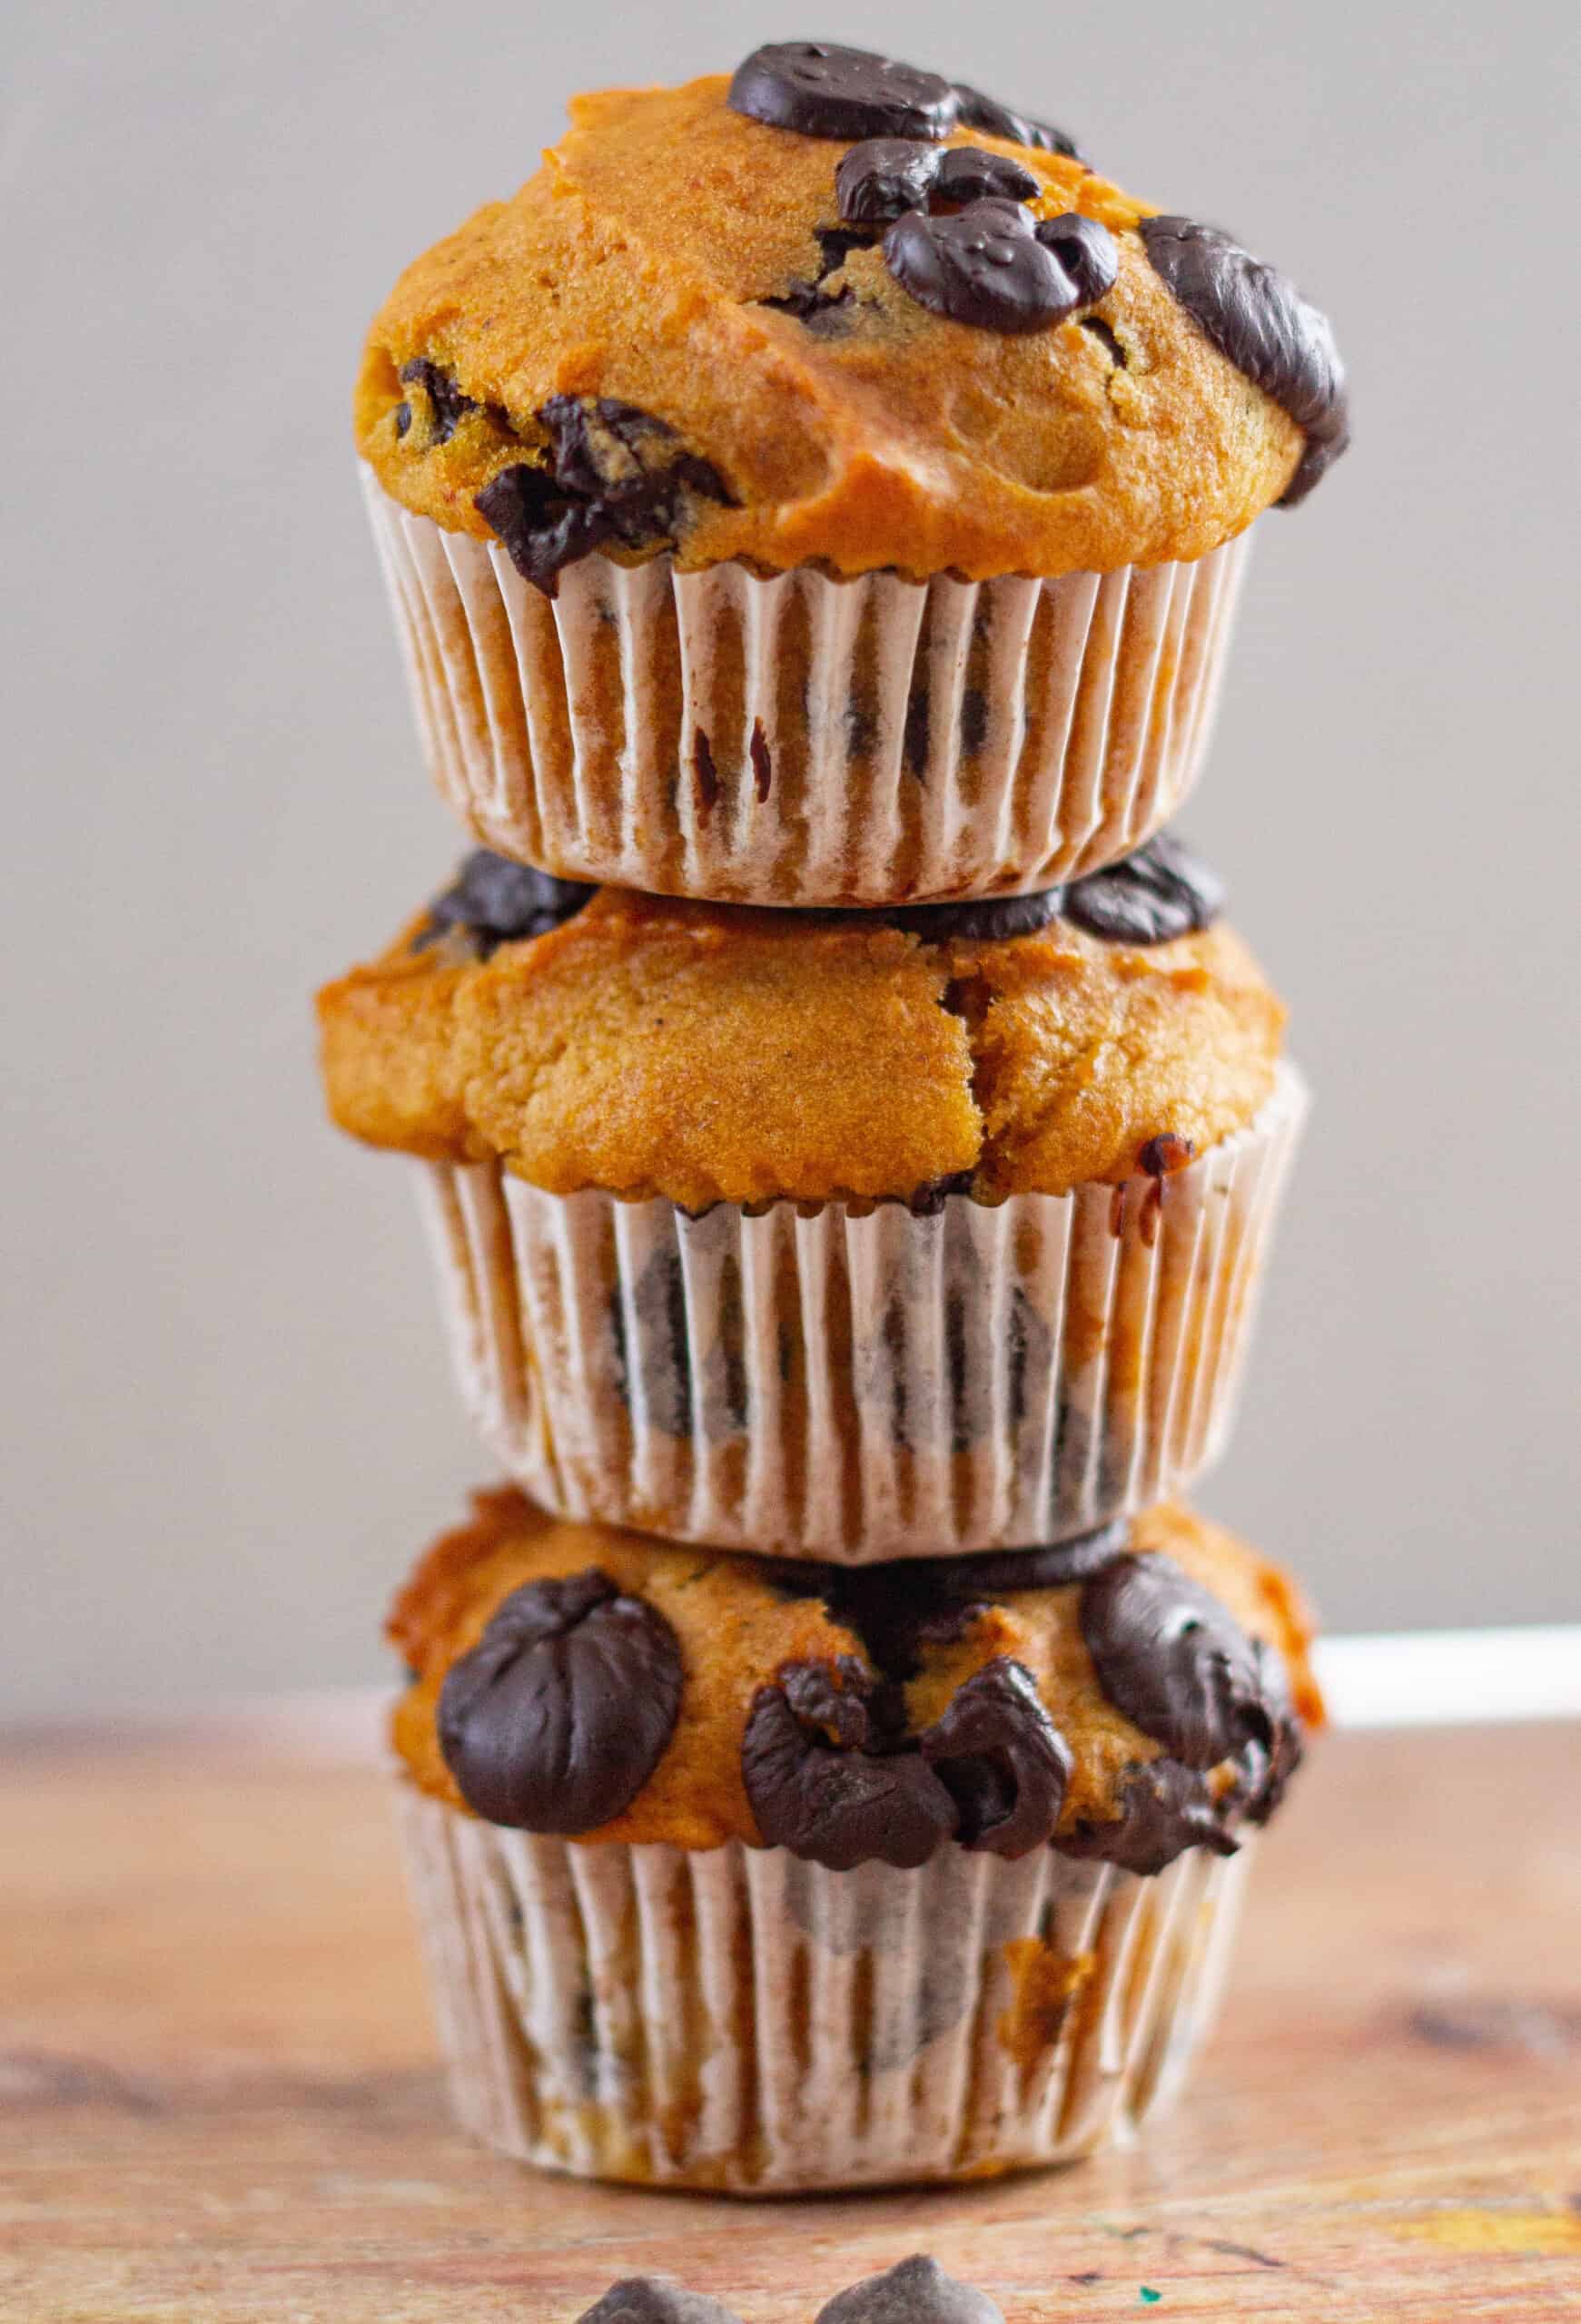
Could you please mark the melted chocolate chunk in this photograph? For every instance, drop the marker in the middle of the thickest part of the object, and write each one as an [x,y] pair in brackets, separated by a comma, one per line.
[823,90]
[916,2291]
[986,114]
[980,920]
[883,177]
[1002,1759]
[1164,1810]
[966,173]
[1154,895]
[1259,320]
[1085,249]
[616,474]
[447,404]
[562,1711]
[1175,1660]
[985,266]
[495,902]
[647,2299]
[837,1802]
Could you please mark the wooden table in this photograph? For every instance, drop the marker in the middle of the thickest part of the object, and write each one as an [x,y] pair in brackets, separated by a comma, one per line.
[220,2103]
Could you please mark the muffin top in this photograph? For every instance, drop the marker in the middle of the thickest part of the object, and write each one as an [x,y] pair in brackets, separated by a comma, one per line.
[595,1038]
[1126,1696]
[837,311]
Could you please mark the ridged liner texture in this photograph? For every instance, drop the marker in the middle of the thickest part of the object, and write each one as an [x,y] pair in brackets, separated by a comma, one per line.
[798,740]
[740,2020]
[860,1386]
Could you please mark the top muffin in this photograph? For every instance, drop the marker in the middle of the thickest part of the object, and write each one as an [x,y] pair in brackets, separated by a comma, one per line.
[837,311]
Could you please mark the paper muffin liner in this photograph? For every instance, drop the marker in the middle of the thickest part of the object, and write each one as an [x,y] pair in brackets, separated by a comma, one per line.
[795,739]
[860,1384]
[740,2020]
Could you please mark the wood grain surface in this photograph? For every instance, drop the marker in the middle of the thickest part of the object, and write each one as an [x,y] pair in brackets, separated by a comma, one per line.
[218,2099]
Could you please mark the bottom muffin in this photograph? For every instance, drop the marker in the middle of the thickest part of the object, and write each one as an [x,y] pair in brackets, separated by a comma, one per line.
[771,1877]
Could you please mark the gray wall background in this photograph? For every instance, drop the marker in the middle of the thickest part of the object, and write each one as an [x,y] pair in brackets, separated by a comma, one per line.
[228,1423]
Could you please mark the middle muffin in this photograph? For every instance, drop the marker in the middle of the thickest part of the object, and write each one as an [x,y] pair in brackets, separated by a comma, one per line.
[847,1234]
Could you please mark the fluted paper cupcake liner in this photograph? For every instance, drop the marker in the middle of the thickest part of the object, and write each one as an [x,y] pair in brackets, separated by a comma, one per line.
[793,739]
[742,2021]
[857,1386]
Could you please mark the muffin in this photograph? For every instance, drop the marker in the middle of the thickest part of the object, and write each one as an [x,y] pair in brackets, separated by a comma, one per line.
[766,1877]
[820,487]
[851,1235]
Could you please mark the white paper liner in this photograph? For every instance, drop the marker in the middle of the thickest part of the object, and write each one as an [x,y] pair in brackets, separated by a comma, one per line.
[798,740]
[740,2020]
[858,1387]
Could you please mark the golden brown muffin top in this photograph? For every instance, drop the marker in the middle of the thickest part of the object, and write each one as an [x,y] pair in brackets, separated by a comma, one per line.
[717,1053]
[670,325]
[1126,1696]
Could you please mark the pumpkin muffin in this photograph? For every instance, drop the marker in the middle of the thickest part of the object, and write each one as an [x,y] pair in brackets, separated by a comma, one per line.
[821,486]
[850,1235]
[676,1799]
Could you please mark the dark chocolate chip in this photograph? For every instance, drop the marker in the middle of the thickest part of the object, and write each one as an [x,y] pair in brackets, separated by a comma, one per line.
[647,2299]
[835,244]
[447,405]
[616,474]
[994,119]
[981,919]
[984,267]
[967,173]
[495,902]
[1175,1660]
[1002,1759]
[1162,1155]
[1164,1810]
[1259,320]
[1104,334]
[884,177]
[827,314]
[823,90]
[836,1803]
[1156,894]
[916,2291]
[1085,249]
[561,1711]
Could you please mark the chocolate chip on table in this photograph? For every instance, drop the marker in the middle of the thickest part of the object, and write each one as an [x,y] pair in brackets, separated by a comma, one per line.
[495,902]
[819,1786]
[649,2299]
[916,2291]
[616,474]
[986,114]
[447,404]
[884,177]
[1158,892]
[1175,1662]
[824,90]
[1086,250]
[1259,321]
[1002,1759]
[985,266]
[557,1718]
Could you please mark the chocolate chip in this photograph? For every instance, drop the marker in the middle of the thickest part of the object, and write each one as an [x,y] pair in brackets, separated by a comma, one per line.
[1156,894]
[1104,334]
[916,2291]
[835,244]
[616,474]
[1162,1155]
[1085,249]
[1175,1660]
[562,1711]
[647,2299]
[1259,320]
[967,173]
[983,920]
[823,90]
[994,119]
[495,902]
[884,177]
[1164,1810]
[836,1802]
[985,266]
[1002,1760]
[447,405]
[827,314]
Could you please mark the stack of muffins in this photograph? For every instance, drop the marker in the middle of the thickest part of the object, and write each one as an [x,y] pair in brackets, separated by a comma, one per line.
[813,509]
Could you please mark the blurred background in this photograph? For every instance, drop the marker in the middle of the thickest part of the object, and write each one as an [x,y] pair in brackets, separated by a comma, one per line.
[229,1420]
